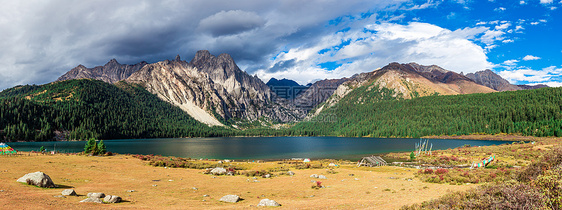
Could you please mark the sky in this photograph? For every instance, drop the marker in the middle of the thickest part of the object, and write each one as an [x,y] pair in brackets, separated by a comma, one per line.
[304,41]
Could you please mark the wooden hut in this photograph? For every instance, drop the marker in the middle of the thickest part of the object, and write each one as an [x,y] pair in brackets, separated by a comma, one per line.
[372,161]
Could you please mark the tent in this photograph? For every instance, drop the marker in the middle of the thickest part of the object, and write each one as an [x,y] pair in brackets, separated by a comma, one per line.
[5,149]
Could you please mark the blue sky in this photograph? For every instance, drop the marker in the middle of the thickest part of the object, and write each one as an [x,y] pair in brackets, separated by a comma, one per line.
[301,40]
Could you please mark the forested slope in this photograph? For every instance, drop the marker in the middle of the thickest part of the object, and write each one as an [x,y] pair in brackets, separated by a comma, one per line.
[90,108]
[374,113]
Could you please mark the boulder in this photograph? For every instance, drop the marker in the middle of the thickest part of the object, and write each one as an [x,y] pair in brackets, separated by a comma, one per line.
[112,199]
[91,200]
[39,179]
[230,198]
[69,192]
[267,202]
[322,177]
[332,164]
[314,176]
[96,195]
[218,171]
[290,173]
[267,176]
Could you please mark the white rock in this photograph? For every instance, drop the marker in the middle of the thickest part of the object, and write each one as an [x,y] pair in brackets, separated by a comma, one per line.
[39,179]
[267,202]
[218,171]
[230,198]
[68,192]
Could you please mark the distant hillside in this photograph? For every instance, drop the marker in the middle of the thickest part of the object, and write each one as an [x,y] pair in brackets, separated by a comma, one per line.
[490,79]
[286,88]
[90,108]
[406,81]
[372,110]
[111,72]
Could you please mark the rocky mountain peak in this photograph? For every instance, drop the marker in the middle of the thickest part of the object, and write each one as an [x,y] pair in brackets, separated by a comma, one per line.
[177,58]
[490,79]
[201,57]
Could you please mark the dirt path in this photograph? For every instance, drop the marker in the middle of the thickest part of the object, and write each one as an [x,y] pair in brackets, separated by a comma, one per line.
[157,187]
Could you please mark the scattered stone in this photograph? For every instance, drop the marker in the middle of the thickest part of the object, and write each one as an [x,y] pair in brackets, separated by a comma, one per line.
[356,179]
[205,195]
[59,196]
[230,173]
[39,179]
[220,162]
[267,202]
[154,185]
[351,174]
[267,176]
[96,195]
[170,180]
[392,177]
[254,178]
[194,188]
[69,192]
[256,181]
[230,198]
[112,199]
[91,200]
[290,173]
[322,177]
[312,181]
[131,190]
[314,176]
[218,171]
[1,190]
[332,164]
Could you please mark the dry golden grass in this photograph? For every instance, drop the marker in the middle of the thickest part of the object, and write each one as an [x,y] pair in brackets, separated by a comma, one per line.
[375,188]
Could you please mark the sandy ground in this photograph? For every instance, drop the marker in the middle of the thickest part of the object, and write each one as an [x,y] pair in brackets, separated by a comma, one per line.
[174,188]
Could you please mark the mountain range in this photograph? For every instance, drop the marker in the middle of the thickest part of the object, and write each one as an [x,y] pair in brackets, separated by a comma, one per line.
[215,91]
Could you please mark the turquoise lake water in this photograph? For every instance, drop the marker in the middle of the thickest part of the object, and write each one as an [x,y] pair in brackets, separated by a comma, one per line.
[256,147]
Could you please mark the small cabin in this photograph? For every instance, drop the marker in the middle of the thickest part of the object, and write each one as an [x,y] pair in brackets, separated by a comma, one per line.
[372,161]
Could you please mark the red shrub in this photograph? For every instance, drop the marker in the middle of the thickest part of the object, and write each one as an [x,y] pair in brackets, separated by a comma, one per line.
[441,171]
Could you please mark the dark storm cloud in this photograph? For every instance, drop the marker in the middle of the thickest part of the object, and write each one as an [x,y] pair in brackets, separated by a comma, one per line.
[41,40]
[283,65]
[230,22]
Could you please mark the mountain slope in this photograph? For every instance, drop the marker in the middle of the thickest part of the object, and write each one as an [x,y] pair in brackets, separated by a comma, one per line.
[89,108]
[406,81]
[379,114]
[490,79]
[214,90]
[111,72]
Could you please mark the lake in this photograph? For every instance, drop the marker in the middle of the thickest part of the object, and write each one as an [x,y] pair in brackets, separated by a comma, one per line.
[256,147]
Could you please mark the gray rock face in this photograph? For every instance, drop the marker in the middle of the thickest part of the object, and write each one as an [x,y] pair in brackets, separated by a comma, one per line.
[218,171]
[96,195]
[230,198]
[112,199]
[69,192]
[217,86]
[39,179]
[267,202]
[290,173]
[91,200]
[492,80]
[111,72]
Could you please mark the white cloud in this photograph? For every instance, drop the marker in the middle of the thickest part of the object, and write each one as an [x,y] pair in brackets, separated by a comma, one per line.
[503,26]
[548,74]
[534,23]
[507,41]
[521,2]
[530,58]
[549,84]
[546,1]
[512,62]
[376,45]
[40,40]
[500,9]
